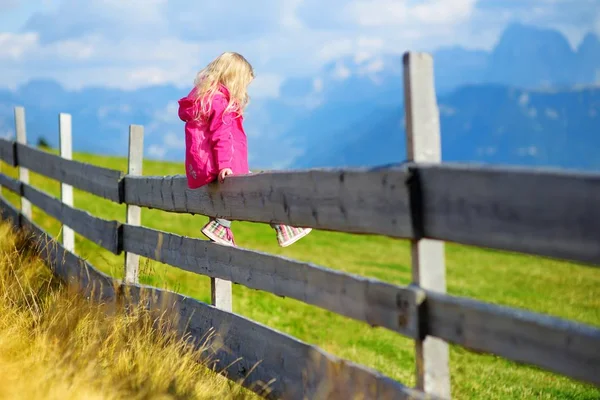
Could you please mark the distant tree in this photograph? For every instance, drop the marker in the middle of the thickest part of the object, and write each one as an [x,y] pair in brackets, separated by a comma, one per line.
[43,143]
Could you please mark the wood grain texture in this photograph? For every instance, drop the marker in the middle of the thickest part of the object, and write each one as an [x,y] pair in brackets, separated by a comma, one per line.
[256,354]
[547,213]
[7,152]
[558,345]
[361,201]
[10,183]
[369,300]
[423,139]
[100,181]
[102,232]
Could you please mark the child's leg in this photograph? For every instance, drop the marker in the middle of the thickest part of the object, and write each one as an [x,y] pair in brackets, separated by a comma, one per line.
[219,231]
[225,222]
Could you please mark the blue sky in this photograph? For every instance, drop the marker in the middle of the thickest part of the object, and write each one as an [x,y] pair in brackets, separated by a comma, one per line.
[133,43]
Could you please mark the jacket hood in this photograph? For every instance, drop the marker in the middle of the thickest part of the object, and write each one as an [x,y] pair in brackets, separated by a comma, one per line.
[188,107]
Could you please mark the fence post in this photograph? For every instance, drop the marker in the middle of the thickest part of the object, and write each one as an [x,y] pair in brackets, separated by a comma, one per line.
[23,172]
[134,213]
[423,144]
[220,293]
[66,191]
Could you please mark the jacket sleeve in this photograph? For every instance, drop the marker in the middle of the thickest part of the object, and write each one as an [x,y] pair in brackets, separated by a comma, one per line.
[221,128]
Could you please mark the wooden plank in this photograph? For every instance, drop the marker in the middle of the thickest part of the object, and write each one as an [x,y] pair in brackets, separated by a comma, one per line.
[134,213]
[8,212]
[558,345]
[369,300]
[23,172]
[7,152]
[74,271]
[255,354]
[10,183]
[361,201]
[66,191]
[102,232]
[548,213]
[100,181]
[432,355]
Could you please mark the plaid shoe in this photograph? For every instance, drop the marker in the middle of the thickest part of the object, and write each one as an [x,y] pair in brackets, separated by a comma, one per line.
[218,233]
[287,235]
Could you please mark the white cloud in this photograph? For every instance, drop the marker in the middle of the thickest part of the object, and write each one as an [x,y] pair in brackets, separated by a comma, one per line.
[174,141]
[266,85]
[14,45]
[527,151]
[532,112]
[156,151]
[486,151]
[6,5]
[373,66]
[317,85]
[524,99]
[113,19]
[128,44]
[106,111]
[341,72]
[551,113]
[447,111]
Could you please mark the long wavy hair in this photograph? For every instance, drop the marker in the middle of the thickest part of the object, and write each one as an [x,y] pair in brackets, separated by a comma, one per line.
[231,70]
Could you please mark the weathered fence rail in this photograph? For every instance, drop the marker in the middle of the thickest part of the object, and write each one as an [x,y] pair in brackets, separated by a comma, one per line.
[548,213]
[100,181]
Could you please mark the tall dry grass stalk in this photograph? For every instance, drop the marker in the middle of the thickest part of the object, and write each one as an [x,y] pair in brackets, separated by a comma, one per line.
[56,345]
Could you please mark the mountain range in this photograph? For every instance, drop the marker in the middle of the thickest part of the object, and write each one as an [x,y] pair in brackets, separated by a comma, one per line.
[531,100]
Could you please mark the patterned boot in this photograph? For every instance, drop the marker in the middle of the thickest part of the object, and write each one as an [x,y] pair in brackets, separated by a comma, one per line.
[287,235]
[218,233]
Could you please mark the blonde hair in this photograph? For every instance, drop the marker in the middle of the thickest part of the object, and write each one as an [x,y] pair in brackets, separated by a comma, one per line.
[231,70]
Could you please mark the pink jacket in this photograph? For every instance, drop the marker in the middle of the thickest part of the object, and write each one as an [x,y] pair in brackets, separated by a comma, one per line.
[214,141]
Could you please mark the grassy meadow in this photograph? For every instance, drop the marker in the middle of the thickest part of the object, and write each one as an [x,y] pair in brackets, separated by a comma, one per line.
[558,288]
[56,345]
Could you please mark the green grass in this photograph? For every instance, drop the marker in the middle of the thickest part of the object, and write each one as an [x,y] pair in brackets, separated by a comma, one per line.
[557,288]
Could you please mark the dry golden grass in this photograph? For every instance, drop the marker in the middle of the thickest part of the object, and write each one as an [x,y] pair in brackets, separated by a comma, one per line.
[56,345]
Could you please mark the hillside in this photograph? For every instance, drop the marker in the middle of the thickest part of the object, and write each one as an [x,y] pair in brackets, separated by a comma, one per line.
[498,277]
[356,99]
[55,344]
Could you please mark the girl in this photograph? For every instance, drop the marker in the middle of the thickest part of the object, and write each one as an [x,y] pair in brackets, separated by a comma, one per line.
[215,141]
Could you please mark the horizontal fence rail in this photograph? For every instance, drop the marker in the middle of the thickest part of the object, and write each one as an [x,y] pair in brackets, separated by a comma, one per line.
[250,352]
[102,232]
[555,344]
[368,300]
[100,181]
[553,214]
[547,213]
[7,152]
[361,201]
[11,184]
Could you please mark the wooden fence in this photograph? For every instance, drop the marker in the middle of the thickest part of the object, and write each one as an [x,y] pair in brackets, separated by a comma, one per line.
[547,213]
